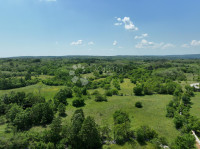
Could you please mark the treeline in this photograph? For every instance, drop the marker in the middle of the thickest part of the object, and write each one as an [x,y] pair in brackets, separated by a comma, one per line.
[179,110]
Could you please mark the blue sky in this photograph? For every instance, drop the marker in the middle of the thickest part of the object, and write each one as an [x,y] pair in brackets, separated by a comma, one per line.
[99,27]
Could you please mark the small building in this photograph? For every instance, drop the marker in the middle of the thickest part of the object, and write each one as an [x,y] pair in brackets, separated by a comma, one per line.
[196,86]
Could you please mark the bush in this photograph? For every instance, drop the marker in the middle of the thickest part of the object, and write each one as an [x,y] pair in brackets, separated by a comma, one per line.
[185,141]
[145,133]
[95,92]
[63,94]
[108,93]
[138,90]
[138,104]
[100,98]
[179,120]
[78,102]
[122,132]
[61,109]
[115,91]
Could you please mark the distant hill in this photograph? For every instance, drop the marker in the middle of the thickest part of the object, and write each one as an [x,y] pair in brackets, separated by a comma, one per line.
[187,56]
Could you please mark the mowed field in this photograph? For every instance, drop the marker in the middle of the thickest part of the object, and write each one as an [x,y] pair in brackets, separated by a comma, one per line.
[195,110]
[152,114]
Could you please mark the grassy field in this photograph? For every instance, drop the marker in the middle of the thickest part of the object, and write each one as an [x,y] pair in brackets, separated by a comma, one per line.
[46,91]
[195,110]
[152,114]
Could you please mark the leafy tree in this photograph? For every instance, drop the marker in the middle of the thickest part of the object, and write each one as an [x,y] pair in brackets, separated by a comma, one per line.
[42,113]
[185,141]
[108,93]
[77,121]
[61,109]
[23,120]
[78,102]
[179,121]
[186,99]
[189,90]
[115,91]
[84,91]
[3,108]
[121,127]
[28,76]
[89,134]
[13,111]
[100,98]
[138,90]
[55,130]
[63,94]
[145,133]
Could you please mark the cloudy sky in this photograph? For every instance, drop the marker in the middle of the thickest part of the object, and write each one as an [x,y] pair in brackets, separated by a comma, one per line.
[99,27]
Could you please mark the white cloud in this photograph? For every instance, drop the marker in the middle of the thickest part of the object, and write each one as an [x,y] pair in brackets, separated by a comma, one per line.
[185,46]
[119,19]
[115,43]
[143,44]
[118,24]
[142,36]
[168,45]
[79,42]
[90,43]
[128,24]
[195,43]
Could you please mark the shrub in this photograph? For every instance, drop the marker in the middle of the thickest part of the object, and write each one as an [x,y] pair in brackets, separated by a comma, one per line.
[61,109]
[78,102]
[115,91]
[145,133]
[108,93]
[138,104]
[63,94]
[95,92]
[138,90]
[100,98]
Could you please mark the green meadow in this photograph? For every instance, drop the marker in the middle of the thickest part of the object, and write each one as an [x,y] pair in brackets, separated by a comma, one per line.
[152,114]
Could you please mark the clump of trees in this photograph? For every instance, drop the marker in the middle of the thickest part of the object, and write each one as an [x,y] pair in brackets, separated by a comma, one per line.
[122,132]
[26,110]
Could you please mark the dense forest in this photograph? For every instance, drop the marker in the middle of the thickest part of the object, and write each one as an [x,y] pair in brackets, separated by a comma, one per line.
[92,102]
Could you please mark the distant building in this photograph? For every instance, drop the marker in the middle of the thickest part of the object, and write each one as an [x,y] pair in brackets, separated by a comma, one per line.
[196,86]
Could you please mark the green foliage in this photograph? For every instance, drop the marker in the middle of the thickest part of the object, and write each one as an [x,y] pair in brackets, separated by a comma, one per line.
[61,109]
[13,111]
[138,104]
[121,127]
[77,121]
[42,113]
[179,120]
[138,90]
[89,134]
[63,94]
[145,133]
[185,141]
[100,98]
[78,102]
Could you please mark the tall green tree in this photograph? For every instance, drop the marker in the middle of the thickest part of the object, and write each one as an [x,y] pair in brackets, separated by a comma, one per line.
[90,135]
